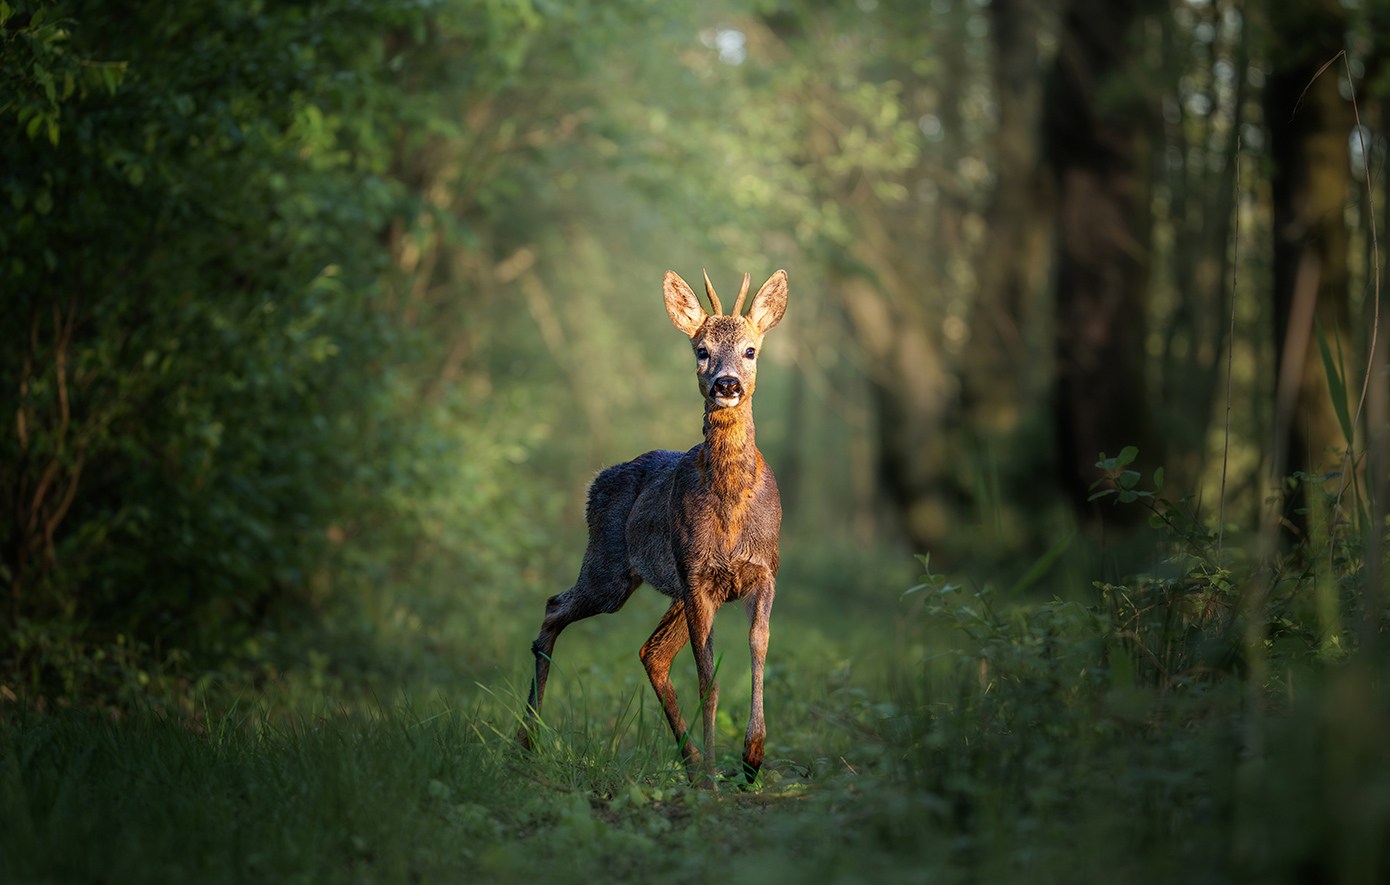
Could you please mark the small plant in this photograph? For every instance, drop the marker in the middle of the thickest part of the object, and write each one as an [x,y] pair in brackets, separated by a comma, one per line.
[1119,480]
[1175,626]
[1021,654]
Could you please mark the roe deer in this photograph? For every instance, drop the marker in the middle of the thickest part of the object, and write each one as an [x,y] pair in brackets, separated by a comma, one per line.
[699,526]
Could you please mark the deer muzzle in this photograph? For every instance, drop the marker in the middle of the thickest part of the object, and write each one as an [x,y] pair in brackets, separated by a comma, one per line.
[726,390]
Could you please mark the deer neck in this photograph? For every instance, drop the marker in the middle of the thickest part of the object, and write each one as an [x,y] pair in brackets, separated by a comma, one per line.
[729,461]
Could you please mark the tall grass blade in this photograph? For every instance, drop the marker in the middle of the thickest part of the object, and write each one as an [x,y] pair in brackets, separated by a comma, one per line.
[1042,566]
[1336,384]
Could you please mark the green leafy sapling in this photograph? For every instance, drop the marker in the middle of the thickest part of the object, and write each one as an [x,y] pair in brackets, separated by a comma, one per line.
[1118,479]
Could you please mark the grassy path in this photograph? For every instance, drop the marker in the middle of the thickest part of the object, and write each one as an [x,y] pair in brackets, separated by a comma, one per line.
[1133,788]
[385,796]
[1051,767]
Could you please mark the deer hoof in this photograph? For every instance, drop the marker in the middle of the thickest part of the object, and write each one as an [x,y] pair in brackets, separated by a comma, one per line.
[750,768]
[752,756]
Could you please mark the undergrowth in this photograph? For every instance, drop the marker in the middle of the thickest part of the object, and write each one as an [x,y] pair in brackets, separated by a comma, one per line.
[1145,730]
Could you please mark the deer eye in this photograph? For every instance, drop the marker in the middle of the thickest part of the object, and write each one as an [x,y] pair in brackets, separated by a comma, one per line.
[701,353]
[750,353]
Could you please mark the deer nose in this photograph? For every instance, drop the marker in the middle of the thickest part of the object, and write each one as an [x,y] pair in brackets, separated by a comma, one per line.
[726,385]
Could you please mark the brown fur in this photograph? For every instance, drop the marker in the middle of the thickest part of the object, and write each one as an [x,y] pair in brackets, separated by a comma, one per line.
[699,526]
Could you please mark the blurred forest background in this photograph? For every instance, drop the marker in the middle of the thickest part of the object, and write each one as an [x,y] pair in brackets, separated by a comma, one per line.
[318,317]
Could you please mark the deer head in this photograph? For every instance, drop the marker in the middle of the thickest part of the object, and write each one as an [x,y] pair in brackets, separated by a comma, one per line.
[726,347]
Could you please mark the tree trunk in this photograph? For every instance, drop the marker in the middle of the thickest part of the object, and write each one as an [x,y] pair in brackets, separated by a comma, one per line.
[999,360]
[1309,132]
[912,398]
[1097,147]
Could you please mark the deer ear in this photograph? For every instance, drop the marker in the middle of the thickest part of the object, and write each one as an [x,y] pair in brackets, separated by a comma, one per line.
[681,305]
[770,303]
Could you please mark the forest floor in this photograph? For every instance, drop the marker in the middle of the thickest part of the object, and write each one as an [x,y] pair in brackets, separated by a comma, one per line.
[880,768]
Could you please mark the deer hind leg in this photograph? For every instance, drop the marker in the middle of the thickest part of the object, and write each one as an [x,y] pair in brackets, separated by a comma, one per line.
[666,641]
[598,591]
[758,605]
[699,619]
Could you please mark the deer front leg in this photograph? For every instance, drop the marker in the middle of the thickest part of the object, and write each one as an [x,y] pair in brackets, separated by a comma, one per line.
[666,641]
[699,619]
[759,608]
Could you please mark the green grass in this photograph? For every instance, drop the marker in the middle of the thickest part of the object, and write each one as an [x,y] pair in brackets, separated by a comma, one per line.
[388,794]
[891,758]
[329,772]
[1135,789]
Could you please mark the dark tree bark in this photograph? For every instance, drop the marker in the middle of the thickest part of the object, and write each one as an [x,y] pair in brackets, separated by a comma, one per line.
[1013,263]
[1309,133]
[1097,142]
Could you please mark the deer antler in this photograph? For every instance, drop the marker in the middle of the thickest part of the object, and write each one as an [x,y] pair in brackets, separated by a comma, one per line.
[713,298]
[738,305]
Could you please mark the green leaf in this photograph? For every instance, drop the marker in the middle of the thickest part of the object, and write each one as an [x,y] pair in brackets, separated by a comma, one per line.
[1101,494]
[45,79]
[1158,480]
[1127,454]
[111,75]
[1128,479]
